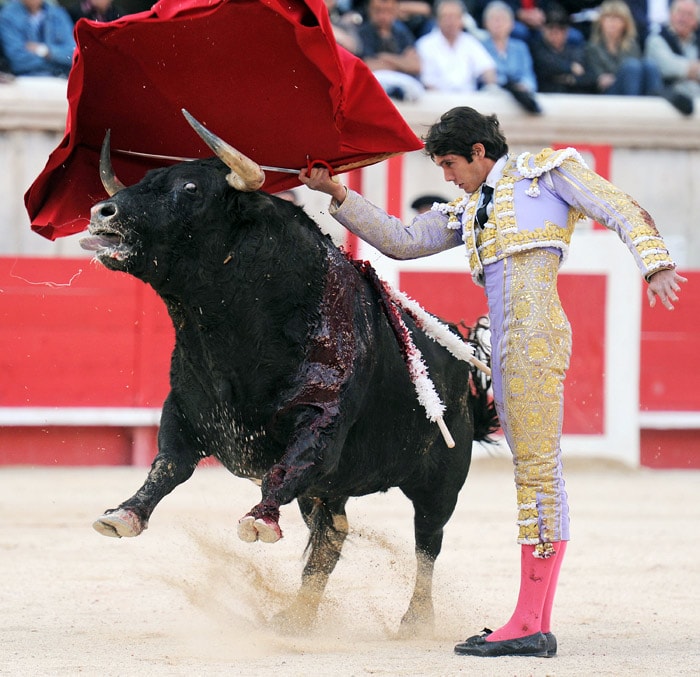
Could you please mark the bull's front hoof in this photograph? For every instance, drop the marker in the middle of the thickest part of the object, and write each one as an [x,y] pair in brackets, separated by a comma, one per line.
[262,529]
[119,523]
[296,620]
[418,624]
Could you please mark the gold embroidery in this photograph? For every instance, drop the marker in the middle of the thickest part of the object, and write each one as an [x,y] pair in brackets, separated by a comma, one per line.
[526,495]
[501,238]
[544,551]
[537,349]
[509,243]
[644,230]
[538,343]
[621,213]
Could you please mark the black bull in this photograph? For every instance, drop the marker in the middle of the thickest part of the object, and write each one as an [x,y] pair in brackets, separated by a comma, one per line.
[285,369]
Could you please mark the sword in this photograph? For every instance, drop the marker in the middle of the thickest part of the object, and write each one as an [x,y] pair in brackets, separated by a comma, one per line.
[268,168]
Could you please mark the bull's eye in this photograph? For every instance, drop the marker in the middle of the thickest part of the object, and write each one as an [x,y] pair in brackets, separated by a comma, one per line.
[191,187]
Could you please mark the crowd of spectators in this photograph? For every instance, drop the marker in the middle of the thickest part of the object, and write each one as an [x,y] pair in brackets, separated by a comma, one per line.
[36,36]
[618,47]
[612,47]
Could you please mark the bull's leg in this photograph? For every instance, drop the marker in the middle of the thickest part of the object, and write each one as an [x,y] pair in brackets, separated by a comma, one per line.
[174,463]
[420,612]
[328,526]
[314,446]
[431,514]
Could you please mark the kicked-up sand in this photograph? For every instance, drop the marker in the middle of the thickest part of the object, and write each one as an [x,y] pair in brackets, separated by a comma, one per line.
[187,597]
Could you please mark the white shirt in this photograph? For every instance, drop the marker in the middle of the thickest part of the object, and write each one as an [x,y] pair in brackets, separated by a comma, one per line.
[494,176]
[657,12]
[452,68]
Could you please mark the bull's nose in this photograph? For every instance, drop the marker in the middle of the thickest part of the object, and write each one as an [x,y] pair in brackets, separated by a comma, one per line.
[104,211]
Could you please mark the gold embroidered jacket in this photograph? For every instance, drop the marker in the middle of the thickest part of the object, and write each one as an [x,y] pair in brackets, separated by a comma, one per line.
[536,203]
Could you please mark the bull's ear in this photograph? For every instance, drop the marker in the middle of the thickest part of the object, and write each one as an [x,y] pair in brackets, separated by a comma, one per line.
[110,182]
[245,174]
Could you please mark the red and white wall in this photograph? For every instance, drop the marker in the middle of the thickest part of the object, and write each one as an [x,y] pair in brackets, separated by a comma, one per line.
[84,352]
[84,357]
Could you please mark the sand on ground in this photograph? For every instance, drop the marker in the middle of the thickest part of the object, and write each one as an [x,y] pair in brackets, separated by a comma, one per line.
[187,597]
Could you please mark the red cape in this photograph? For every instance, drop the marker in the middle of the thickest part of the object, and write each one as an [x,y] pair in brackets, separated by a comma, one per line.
[264,75]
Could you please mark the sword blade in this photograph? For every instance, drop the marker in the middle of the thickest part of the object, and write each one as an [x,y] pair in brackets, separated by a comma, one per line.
[176,158]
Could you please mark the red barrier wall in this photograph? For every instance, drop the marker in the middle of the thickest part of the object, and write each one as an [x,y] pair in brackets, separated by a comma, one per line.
[73,334]
[670,377]
[670,352]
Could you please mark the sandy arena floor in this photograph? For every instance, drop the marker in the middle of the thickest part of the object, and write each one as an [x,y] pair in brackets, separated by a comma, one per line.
[188,598]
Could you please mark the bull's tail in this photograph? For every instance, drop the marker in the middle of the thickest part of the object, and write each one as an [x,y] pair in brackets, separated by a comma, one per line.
[322,529]
[483,407]
[483,412]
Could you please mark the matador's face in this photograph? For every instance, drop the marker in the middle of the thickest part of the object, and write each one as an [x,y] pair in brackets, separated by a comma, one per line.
[468,176]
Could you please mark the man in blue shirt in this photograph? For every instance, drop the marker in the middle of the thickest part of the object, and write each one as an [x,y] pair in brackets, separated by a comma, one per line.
[37,38]
[388,49]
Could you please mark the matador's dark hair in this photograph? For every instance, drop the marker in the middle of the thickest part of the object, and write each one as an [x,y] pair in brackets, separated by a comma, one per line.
[459,129]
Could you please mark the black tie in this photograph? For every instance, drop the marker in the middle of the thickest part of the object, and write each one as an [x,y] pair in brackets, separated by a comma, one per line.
[481,213]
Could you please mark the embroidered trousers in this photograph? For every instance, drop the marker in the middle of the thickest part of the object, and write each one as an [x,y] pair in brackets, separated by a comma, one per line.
[531,346]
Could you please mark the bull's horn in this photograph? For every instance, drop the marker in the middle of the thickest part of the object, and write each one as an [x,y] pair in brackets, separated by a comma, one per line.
[245,174]
[110,182]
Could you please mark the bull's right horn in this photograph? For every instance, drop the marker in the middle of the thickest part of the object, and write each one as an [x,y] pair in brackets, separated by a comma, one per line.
[245,174]
[110,182]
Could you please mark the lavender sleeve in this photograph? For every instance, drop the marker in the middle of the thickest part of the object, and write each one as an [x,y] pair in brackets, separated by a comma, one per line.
[427,234]
[597,198]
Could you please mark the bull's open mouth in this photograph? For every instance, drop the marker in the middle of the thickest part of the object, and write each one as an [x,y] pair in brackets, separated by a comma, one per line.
[106,244]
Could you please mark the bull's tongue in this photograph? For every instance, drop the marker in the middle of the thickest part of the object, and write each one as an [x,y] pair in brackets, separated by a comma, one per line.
[94,242]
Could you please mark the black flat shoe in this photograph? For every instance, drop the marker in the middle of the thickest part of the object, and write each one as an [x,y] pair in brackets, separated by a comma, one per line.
[551,644]
[532,645]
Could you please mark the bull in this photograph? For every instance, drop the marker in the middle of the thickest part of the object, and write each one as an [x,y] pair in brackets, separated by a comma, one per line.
[285,367]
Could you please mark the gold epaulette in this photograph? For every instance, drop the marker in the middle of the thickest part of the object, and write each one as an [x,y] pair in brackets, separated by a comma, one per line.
[532,166]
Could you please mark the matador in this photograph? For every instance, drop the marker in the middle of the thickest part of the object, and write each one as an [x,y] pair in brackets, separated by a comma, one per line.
[516,219]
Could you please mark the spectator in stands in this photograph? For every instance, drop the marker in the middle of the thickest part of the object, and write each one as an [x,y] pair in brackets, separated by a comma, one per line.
[5,75]
[529,16]
[452,60]
[559,61]
[582,14]
[647,14]
[614,58]
[675,48]
[387,46]
[37,38]
[345,26]
[654,15]
[95,10]
[514,69]
[418,16]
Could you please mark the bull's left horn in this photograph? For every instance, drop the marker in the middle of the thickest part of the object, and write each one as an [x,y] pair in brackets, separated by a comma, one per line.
[245,174]
[110,182]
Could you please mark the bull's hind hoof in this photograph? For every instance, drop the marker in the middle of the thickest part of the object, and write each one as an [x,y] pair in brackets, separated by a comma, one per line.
[262,529]
[246,529]
[119,523]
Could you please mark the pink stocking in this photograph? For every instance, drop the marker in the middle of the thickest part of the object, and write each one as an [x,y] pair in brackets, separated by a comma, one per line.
[535,577]
[551,591]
